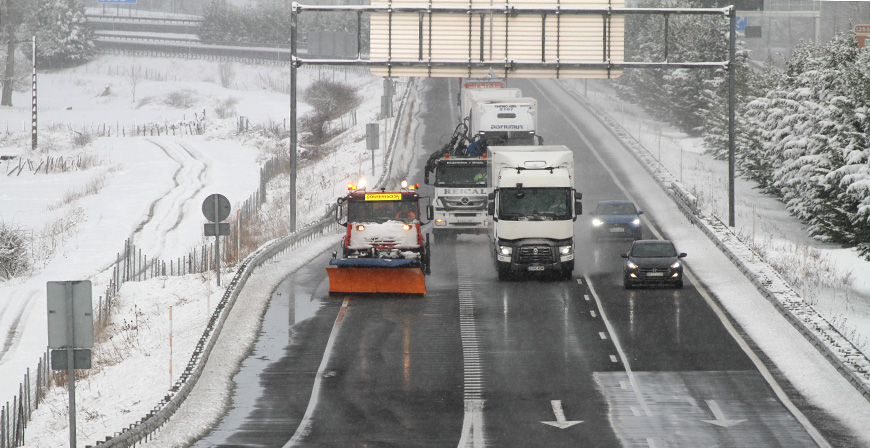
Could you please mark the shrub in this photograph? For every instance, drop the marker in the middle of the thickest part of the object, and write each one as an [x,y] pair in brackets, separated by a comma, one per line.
[14,259]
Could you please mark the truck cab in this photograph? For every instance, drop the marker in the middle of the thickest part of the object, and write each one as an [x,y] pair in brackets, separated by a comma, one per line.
[533,207]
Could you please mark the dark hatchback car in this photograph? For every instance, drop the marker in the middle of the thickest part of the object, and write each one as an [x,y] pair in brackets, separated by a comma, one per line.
[653,262]
[617,219]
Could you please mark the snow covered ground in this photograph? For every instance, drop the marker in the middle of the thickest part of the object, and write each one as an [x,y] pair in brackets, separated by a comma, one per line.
[156,185]
[149,189]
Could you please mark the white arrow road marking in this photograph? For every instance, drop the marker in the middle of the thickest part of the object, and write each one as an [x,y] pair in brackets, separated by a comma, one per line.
[720,417]
[560,422]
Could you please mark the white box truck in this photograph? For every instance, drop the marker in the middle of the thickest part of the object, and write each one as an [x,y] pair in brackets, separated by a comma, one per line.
[533,207]
[505,121]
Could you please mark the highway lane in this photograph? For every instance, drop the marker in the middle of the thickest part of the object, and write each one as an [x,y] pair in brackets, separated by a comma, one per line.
[532,362]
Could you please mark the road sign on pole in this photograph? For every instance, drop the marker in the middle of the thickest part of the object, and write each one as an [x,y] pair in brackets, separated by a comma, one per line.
[70,308]
[862,34]
[372,140]
[70,325]
[216,208]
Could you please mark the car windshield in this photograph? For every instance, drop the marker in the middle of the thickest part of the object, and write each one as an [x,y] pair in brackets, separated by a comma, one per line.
[382,211]
[471,176]
[620,208]
[656,250]
[534,204]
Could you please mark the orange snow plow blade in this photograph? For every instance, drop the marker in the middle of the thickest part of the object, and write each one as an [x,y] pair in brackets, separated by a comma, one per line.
[364,280]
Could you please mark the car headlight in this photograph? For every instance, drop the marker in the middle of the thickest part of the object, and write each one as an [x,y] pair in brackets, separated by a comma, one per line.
[505,250]
[566,250]
[597,222]
[675,265]
[636,222]
[631,265]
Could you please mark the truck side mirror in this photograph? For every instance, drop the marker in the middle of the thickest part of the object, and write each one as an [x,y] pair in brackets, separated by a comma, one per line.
[430,212]
[540,140]
[338,212]
[490,196]
[490,208]
[426,177]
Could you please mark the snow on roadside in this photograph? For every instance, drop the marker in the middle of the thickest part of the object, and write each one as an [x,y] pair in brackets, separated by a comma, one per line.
[155,184]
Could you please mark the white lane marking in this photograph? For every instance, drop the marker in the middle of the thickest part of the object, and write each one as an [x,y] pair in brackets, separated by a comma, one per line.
[635,411]
[473,379]
[472,424]
[651,443]
[780,394]
[561,422]
[586,296]
[619,350]
[622,385]
[592,312]
[777,389]
[719,416]
[602,335]
[579,281]
[305,425]
[613,358]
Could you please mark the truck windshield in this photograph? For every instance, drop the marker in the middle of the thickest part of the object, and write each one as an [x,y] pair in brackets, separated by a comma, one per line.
[506,138]
[534,204]
[383,211]
[460,176]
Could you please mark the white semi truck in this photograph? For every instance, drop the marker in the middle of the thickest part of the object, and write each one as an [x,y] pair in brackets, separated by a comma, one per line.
[461,187]
[533,208]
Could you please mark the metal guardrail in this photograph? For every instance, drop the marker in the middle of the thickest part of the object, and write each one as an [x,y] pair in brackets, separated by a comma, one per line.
[163,411]
[851,362]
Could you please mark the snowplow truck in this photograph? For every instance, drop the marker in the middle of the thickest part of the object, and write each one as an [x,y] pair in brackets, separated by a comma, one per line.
[383,250]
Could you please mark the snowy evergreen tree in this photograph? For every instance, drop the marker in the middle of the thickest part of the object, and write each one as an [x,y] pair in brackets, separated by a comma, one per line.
[63,36]
[673,94]
[815,125]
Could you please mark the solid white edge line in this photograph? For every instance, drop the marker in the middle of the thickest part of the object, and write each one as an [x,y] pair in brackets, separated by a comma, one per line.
[780,393]
[777,389]
[305,425]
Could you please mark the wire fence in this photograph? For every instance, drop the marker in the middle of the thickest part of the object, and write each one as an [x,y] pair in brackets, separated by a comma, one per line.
[132,264]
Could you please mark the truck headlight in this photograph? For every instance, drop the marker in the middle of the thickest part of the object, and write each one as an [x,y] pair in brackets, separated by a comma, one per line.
[505,250]
[566,250]
[360,227]
[440,222]
[597,222]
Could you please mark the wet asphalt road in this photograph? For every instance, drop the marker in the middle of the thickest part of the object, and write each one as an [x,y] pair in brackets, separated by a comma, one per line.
[478,362]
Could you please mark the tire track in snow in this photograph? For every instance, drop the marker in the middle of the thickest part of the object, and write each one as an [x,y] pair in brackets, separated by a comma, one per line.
[166,213]
[13,334]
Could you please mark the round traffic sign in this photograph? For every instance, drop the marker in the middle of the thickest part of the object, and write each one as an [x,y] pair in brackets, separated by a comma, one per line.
[216,207]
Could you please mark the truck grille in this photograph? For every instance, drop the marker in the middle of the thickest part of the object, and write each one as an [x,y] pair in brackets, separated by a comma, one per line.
[535,254]
[463,202]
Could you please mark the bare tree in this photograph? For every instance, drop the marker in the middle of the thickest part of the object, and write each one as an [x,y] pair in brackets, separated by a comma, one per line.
[13,16]
[134,76]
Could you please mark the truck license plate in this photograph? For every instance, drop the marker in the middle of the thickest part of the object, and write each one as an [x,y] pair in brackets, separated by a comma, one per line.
[655,274]
[617,229]
[536,268]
